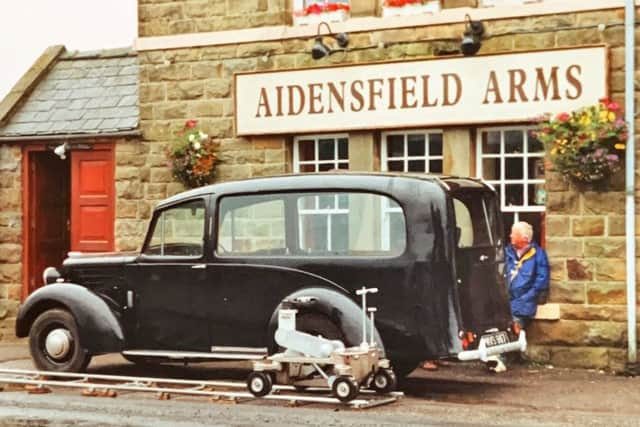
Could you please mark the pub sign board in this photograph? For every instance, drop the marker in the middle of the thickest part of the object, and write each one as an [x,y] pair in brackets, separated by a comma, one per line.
[507,87]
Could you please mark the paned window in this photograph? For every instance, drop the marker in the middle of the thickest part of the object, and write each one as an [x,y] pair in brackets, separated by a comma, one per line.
[320,153]
[512,161]
[412,151]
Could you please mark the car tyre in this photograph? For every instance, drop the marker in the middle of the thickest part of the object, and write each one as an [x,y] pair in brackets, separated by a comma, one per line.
[384,381]
[345,388]
[55,343]
[259,383]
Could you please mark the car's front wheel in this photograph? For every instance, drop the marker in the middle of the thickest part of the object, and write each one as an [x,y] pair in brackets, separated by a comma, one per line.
[55,344]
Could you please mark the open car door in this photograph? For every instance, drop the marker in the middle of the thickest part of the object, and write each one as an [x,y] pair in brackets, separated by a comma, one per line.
[484,302]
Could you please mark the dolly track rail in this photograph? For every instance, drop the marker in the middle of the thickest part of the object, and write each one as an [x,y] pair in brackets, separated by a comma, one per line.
[169,386]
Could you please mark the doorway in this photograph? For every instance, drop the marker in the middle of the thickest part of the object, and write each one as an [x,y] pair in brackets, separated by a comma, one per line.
[49,219]
[69,206]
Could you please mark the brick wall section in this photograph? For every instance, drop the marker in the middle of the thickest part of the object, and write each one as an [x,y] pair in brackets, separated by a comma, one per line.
[585,231]
[10,237]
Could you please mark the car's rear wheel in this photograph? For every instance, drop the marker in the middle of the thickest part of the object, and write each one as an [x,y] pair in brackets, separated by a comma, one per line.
[55,343]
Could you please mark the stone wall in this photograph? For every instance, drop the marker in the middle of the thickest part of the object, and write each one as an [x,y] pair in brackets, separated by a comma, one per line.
[10,237]
[164,17]
[585,231]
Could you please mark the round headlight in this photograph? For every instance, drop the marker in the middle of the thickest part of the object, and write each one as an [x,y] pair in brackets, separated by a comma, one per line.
[50,275]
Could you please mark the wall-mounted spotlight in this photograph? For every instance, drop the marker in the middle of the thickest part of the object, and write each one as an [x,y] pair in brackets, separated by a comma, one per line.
[473,32]
[61,150]
[320,50]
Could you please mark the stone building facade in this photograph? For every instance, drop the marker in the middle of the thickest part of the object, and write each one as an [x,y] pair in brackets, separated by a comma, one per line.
[191,51]
[184,76]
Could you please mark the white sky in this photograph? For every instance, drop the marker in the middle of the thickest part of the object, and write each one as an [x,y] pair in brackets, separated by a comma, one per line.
[28,27]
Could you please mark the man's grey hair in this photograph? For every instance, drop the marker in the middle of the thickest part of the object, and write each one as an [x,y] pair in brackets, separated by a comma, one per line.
[525,228]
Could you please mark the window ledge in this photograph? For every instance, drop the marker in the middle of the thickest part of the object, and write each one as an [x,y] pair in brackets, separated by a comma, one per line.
[549,311]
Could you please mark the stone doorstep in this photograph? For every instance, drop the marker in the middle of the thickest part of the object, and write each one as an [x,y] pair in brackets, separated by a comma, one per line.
[549,311]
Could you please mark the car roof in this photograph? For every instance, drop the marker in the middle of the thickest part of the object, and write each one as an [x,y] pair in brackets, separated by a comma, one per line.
[324,180]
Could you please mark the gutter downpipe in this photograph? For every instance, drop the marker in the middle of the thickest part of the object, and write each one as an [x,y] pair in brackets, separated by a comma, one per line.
[629,26]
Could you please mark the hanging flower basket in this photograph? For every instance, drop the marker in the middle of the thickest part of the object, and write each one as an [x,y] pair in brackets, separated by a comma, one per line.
[586,145]
[192,157]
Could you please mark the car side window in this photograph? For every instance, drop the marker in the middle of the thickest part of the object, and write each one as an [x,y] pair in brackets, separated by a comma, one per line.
[350,224]
[324,224]
[178,231]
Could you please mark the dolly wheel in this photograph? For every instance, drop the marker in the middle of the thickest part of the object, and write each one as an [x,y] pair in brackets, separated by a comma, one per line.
[345,388]
[259,383]
[384,381]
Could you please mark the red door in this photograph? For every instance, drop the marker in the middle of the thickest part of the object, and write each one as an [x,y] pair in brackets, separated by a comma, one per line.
[92,201]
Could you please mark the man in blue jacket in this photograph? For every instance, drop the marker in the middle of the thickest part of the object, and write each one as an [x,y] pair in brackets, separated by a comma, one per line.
[527,273]
[527,270]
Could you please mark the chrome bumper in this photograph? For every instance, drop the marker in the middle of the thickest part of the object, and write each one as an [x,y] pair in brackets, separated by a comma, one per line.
[483,352]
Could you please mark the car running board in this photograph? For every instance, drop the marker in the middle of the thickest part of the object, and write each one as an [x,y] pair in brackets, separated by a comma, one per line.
[226,353]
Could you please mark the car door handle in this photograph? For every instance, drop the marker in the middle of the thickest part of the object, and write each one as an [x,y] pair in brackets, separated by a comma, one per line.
[483,258]
[130,299]
[199,266]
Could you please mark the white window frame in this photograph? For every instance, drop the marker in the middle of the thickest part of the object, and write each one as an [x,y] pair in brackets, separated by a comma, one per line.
[501,182]
[317,162]
[384,158]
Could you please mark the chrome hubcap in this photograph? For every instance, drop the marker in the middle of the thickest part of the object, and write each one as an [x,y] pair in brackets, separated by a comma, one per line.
[380,381]
[342,389]
[58,343]
[257,384]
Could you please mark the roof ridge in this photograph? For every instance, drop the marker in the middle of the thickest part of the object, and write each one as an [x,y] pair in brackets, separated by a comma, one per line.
[28,81]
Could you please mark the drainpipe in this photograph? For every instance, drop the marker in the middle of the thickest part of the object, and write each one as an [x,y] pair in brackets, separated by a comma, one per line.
[629,25]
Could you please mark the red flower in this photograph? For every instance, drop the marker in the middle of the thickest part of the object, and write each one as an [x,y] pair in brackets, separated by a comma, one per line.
[613,106]
[190,124]
[332,7]
[314,9]
[604,100]
[400,3]
[563,117]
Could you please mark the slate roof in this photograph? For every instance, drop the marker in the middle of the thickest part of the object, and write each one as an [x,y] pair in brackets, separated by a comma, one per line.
[92,92]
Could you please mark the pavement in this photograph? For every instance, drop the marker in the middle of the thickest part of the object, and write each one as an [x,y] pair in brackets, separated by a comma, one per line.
[524,387]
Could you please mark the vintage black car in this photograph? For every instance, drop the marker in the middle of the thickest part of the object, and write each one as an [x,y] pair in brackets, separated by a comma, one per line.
[218,262]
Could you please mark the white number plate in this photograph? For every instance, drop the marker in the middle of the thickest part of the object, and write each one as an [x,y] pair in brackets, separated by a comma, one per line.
[497,338]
